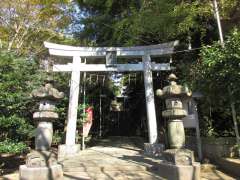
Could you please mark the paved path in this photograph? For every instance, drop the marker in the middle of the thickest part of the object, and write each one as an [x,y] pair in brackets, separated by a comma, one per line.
[120,159]
[110,163]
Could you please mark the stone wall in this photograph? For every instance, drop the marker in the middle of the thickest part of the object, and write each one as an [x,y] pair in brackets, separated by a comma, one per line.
[213,147]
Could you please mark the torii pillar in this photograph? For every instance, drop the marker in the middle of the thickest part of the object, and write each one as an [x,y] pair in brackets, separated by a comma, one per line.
[70,147]
[150,105]
[152,148]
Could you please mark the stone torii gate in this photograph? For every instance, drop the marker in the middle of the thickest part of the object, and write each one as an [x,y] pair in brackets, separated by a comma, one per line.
[76,66]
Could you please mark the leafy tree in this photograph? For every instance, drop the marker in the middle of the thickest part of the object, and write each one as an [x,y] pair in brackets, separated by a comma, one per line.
[216,74]
[134,22]
[24,25]
[18,77]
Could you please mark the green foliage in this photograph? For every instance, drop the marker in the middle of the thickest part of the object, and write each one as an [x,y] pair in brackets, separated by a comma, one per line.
[24,25]
[218,68]
[237,149]
[18,77]
[217,75]
[9,146]
[62,84]
[58,137]
[82,114]
[238,146]
[134,22]
[15,128]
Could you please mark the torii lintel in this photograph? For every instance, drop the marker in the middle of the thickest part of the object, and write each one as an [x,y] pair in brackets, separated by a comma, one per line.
[137,51]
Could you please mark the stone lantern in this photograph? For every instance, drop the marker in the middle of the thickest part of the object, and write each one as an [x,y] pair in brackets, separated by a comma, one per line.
[42,163]
[46,115]
[173,95]
[177,158]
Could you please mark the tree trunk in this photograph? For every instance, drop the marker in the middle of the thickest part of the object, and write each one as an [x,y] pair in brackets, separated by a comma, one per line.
[234,116]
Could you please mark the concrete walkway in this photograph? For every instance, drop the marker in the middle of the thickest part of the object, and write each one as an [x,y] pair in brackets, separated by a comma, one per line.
[120,159]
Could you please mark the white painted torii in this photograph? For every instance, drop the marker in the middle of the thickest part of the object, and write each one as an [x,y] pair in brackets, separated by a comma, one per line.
[76,66]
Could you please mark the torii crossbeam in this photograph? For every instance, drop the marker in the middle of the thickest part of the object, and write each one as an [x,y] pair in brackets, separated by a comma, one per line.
[76,66]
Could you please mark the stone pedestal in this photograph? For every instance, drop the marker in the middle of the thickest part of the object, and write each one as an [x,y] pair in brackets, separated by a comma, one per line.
[54,172]
[153,149]
[66,151]
[179,172]
[179,156]
[41,165]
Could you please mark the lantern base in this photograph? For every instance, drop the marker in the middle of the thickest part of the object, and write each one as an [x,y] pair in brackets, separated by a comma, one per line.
[179,172]
[179,164]
[41,173]
[179,156]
